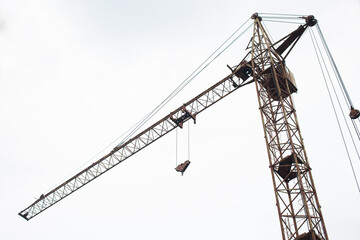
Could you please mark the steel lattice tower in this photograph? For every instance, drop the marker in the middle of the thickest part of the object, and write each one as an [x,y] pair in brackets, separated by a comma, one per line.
[296,199]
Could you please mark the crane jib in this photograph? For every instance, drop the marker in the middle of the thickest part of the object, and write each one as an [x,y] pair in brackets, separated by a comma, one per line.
[120,153]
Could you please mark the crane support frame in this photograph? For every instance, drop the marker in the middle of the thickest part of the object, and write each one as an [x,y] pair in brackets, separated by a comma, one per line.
[120,153]
[296,198]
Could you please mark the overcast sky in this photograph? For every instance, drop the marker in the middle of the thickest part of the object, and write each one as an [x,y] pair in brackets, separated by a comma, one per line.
[75,75]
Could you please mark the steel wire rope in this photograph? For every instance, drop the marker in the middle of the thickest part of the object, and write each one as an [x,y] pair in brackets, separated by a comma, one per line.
[339,79]
[130,132]
[356,127]
[189,140]
[313,39]
[333,65]
[177,143]
[176,151]
[271,38]
[281,14]
[280,17]
[93,157]
[336,95]
[282,21]
[338,100]
[191,77]
[338,122]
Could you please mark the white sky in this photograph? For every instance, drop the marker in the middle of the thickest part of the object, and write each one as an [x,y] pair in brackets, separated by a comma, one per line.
[74,75]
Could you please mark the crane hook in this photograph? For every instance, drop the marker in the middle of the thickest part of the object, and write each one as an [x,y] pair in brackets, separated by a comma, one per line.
[182,167]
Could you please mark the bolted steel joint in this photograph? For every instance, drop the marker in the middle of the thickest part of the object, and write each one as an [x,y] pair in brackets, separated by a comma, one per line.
[311,20]
[256,16]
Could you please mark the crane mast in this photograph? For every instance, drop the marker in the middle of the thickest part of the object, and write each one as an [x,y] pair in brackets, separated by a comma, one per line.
[296,198]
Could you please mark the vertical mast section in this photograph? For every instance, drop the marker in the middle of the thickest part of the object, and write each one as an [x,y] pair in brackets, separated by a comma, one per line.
[296,199]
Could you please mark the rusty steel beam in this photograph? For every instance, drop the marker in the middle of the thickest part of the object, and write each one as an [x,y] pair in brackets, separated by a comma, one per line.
[296,198]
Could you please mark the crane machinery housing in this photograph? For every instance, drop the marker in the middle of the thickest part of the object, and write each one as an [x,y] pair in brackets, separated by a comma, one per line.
[297,203]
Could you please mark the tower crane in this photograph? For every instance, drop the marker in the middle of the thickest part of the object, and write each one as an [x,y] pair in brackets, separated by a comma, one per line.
[297,203]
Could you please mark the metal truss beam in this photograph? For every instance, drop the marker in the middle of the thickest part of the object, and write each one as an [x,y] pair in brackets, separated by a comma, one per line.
[296,199]
[120,153]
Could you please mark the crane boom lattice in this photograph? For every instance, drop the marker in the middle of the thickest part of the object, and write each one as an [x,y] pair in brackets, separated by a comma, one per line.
[120,153]
[296,199]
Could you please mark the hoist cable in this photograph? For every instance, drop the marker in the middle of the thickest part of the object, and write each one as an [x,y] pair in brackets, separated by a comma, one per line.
[263,17]
[93,157]
[313,39]
[189,140]
[333,106]
[334,65]
[131,131]
[176,151]
[337,98]
[194,74]
[268,32]
[281,14]
[356,127]
[338,77]
[282,22]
